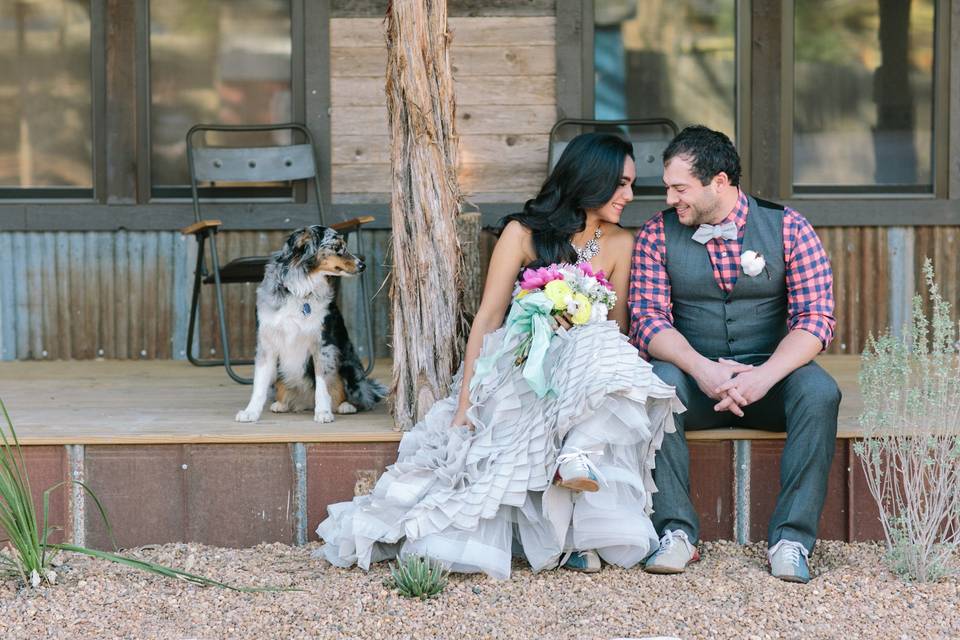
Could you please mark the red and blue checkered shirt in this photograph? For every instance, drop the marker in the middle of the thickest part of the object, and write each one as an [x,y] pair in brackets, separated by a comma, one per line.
[808,275]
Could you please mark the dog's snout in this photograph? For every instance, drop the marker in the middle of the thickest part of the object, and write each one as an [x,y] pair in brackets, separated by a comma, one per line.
[360,265]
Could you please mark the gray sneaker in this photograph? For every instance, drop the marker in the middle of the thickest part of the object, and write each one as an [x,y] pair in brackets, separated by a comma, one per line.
[789,561]
[674,554]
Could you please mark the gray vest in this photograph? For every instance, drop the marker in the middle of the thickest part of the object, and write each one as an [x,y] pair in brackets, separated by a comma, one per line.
[747,323]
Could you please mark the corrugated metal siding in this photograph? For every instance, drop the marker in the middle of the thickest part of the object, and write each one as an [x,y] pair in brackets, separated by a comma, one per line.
[126,295]
[861,284]
[940,244]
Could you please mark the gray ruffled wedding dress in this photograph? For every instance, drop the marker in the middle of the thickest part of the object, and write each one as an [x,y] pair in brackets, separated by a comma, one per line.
[473,499]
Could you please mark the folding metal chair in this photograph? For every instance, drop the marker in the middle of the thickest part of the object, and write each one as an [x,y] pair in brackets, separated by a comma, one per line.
[649,137]
[287,163]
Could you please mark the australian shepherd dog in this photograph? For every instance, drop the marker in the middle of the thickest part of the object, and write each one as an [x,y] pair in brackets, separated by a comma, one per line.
[302,343]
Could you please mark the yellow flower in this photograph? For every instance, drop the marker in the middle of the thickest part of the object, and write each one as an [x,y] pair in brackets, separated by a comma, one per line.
[558,291]
[584,310]
[522,293]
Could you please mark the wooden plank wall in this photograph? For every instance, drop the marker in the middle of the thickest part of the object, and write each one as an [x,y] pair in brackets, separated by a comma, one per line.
[505,73]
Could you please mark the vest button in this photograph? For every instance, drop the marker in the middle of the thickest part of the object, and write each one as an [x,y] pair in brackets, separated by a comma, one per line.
[729,320]
[731,340]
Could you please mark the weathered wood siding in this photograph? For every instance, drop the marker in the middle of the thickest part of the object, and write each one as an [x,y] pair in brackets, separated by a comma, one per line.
[505,73]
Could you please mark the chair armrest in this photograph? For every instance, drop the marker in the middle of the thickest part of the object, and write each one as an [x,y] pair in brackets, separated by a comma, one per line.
[354,223]
[197,227]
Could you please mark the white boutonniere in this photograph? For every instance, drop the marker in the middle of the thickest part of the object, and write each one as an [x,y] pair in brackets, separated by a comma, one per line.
[753,263]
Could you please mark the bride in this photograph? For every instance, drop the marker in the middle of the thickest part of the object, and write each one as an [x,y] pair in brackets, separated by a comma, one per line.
[550,460]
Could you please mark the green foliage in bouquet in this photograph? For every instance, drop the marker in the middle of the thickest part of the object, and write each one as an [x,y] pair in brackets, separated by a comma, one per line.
[416,577]
[30,557]
[911,439]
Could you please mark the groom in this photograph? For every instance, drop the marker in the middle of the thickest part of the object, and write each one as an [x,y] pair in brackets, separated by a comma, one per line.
[731,298]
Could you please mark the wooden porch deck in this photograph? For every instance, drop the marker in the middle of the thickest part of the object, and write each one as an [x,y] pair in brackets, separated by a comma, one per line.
[172,402]
[157,442]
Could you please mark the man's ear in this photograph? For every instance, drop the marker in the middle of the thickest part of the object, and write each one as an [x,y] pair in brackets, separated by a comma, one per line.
[721,180]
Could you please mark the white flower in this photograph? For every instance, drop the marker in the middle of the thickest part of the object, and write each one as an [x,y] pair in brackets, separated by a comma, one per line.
[34,578]
[598,313]
[752,263]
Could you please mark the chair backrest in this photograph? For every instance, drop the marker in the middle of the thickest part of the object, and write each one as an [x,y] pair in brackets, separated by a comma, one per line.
[236,164]
[649,137]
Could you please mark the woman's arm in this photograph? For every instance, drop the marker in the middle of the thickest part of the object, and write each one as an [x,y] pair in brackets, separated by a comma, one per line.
[622,246]
[512,251]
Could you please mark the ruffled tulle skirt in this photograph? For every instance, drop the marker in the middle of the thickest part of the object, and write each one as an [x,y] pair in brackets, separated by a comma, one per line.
[474,499]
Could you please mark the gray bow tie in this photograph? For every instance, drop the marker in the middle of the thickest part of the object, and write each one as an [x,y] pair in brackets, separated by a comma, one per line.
[706,232]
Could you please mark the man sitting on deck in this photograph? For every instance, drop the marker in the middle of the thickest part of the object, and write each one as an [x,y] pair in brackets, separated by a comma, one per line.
[732,298]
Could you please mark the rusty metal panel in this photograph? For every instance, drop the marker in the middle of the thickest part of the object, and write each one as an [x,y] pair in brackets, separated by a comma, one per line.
[711,487]
[239,495]
[861,284]
[765,486]
[142,489]
[336,472]
[47,467]
[864,513]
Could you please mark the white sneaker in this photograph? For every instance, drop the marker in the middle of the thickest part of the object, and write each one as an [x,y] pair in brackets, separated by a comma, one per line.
[674,554]
[576,471]
[789,561]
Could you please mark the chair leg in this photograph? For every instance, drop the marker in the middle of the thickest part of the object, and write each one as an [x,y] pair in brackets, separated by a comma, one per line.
[365,306]
[222,317]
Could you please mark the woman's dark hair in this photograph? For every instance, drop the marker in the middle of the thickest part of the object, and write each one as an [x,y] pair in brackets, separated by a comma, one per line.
[585,177]
[708,151]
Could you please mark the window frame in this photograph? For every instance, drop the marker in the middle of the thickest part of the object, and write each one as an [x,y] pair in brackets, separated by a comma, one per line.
[122,190]
[764,116]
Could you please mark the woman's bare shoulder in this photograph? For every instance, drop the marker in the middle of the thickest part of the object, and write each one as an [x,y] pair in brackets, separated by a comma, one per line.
[619,237]
[515,229]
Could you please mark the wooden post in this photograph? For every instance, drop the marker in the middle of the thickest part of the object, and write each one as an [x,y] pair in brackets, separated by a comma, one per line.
[427,285]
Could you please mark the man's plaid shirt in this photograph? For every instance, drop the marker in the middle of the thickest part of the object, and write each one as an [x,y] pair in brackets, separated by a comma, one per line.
[809,278]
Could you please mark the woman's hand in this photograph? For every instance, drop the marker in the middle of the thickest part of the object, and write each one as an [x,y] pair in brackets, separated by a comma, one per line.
[460,419]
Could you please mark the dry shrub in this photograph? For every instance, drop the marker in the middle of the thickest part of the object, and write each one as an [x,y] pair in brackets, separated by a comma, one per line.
[911,447]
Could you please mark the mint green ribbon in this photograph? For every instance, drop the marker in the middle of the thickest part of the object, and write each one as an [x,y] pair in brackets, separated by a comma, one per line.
[529,316]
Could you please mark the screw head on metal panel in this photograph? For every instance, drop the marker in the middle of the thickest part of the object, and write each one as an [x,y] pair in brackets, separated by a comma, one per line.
[183,466]
[218,163]
[252,164]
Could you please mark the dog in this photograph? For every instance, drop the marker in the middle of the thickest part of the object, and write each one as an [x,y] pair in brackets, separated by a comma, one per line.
[302,342]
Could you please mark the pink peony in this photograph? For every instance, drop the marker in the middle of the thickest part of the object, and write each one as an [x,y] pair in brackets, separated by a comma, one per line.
[538,278]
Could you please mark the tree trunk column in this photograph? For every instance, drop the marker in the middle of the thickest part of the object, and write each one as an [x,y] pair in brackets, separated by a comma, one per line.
[427,289]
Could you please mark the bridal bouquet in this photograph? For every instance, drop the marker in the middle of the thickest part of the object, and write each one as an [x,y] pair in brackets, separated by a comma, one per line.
[577,293]
[544,299]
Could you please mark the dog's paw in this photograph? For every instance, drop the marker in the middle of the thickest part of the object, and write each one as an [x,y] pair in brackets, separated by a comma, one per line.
[322,416]
[346,407]
[279,407]
[247,415]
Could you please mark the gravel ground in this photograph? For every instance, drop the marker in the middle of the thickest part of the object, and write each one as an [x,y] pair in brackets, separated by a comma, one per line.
[727,595]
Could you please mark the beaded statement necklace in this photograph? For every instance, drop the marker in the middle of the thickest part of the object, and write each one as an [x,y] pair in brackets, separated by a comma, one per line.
[590,248]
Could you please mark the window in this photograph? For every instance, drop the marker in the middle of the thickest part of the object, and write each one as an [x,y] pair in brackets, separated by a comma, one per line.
[830,99]
[46,125]
[214,62]
[863,96]
[671,59]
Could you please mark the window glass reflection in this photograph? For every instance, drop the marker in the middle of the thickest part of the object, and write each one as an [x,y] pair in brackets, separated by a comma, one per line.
[45,97]
[217,61]
[863,106]
[666,58]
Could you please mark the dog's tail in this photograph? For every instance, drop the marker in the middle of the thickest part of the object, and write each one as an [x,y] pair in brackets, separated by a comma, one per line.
[362,392]
[365,393]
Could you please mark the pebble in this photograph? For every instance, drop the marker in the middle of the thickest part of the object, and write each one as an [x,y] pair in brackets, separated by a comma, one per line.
[726,595]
